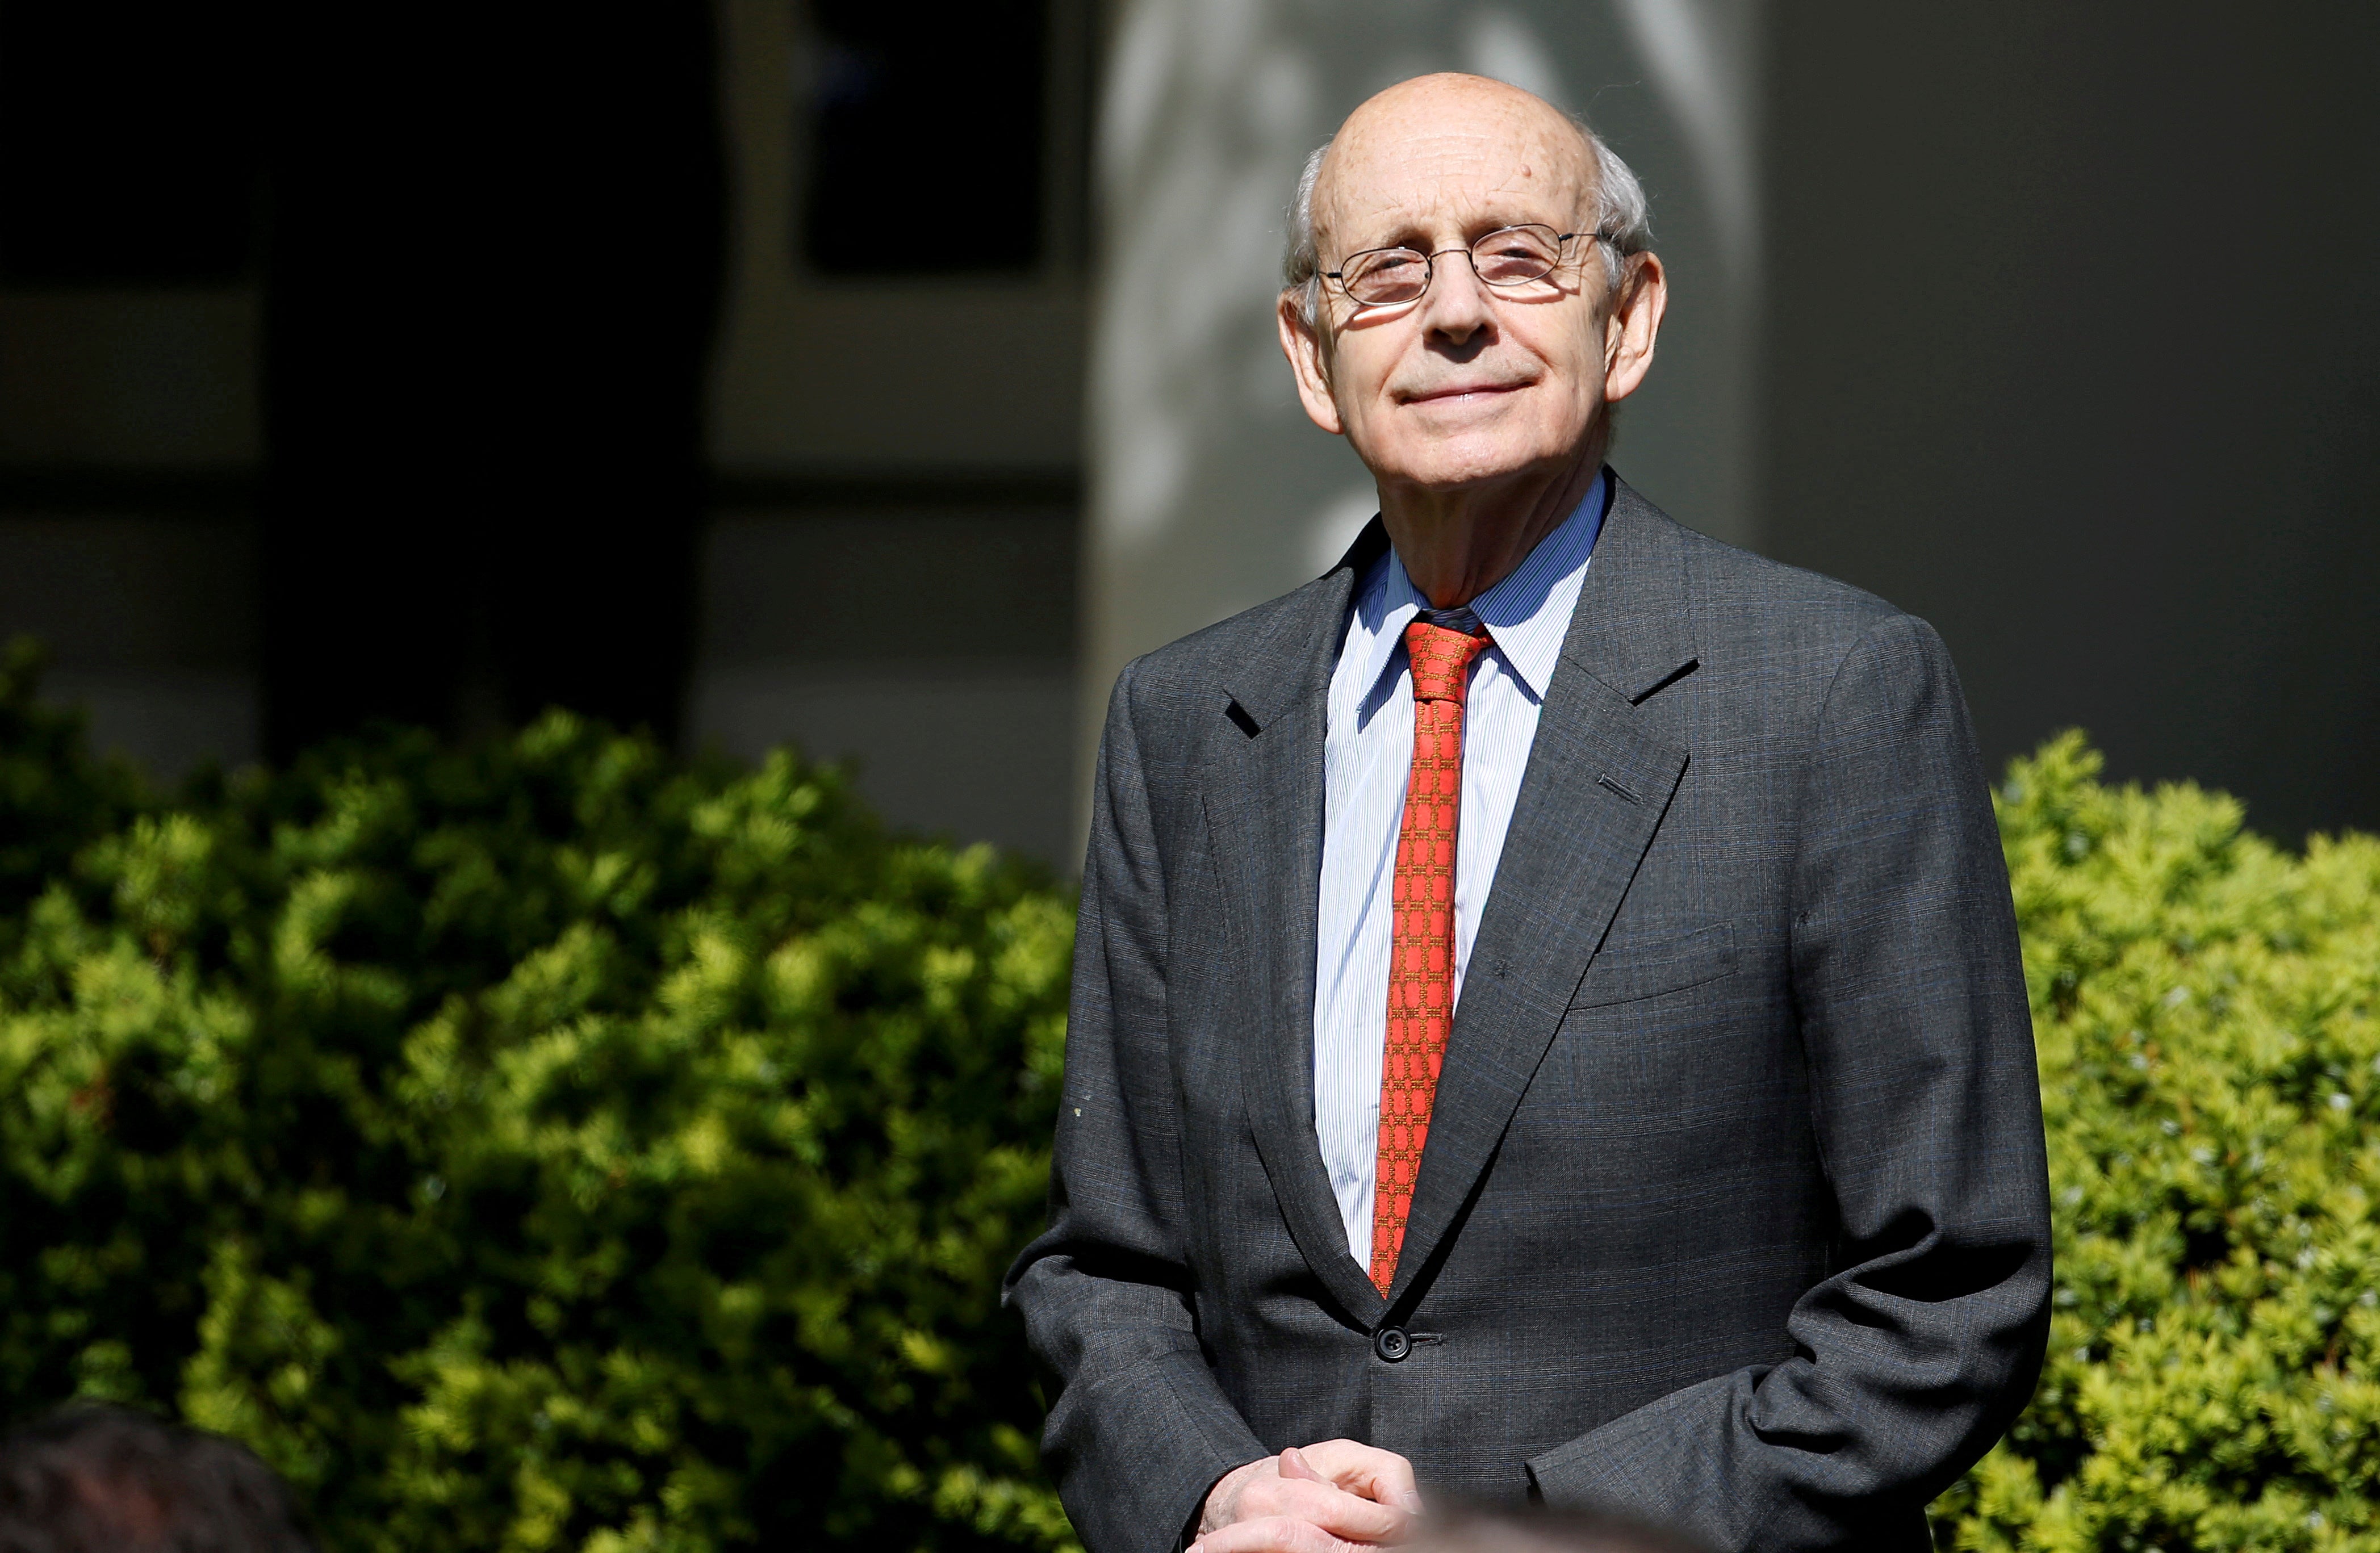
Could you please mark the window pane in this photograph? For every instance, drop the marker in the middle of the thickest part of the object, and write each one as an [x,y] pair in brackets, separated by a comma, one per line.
[126,146]
[927,122]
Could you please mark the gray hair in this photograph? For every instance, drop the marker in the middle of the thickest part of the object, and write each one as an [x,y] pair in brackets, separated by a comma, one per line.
[1623,223]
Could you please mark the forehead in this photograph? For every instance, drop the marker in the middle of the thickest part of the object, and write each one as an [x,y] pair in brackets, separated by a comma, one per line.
[1436,165]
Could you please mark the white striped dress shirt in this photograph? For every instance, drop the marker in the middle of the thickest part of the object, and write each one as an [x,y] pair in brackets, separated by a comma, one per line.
[1367,753]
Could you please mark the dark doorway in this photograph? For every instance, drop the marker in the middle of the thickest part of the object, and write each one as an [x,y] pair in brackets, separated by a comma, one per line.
[130,146]
[491,277]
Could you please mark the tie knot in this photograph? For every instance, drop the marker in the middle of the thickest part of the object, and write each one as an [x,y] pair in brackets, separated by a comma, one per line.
[1440,659]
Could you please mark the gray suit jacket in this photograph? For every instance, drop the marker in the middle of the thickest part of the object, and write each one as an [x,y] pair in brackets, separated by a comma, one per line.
[1734,1212]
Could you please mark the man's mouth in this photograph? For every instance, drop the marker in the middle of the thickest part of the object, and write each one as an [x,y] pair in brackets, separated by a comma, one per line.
[1460,391]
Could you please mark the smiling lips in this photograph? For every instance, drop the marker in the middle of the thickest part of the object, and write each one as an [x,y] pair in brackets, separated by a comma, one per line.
[1461,390]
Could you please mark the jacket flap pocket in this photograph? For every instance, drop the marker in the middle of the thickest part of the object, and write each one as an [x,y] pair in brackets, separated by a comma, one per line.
[1623,971]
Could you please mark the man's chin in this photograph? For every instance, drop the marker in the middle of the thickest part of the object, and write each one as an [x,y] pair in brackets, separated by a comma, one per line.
[1452,442]
[1460,463]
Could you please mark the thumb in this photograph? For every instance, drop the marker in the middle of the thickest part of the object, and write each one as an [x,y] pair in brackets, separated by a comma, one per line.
[1294,1464]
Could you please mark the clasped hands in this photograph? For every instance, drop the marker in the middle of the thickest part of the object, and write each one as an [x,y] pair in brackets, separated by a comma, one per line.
[1336,1497]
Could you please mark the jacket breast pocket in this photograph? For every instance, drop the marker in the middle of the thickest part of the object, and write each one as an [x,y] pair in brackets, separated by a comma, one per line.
[1629,970]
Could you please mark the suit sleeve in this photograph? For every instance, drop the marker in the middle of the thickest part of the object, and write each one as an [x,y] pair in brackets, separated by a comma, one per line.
[1914,1357]
[1138,1429]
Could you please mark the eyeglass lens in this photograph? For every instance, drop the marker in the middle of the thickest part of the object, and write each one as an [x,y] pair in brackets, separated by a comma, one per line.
[1512,256]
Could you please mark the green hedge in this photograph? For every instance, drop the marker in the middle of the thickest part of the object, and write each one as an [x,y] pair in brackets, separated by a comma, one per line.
[548,1145]
[539,1147]
[2204,1006]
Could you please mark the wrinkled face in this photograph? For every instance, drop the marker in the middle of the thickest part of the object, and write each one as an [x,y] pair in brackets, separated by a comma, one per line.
[1471,382]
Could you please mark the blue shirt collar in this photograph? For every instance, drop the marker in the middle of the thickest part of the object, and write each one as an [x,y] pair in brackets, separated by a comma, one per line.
[1526,630]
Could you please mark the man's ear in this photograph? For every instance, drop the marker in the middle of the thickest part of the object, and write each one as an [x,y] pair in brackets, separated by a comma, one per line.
[1310,360]
[1635,324]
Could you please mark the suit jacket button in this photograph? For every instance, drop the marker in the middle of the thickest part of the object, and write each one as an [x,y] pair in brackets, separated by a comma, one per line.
[1390,1343]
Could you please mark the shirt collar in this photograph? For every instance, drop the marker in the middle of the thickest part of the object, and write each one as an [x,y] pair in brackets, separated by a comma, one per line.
[1524,612]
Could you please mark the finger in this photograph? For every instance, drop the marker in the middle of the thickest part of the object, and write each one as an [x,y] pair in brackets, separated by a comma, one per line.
[1223,1499]
[1366,1470]
[1274,1534]
[1326,1505]
[1293,1465]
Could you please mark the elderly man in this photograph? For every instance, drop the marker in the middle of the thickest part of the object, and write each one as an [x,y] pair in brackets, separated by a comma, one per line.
[1546,1019]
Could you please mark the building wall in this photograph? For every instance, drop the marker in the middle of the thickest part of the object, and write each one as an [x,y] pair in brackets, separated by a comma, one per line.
[889,578]
[887,572]
[925,634]
[2048,323]
[2073,349]
[831,376]
[129,447]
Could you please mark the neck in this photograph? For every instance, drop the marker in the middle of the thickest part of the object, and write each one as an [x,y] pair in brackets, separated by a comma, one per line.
[1457,544]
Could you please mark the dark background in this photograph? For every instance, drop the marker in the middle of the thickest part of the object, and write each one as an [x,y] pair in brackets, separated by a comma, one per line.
[486,247]
[368,365]
[2074,349]
[488,250]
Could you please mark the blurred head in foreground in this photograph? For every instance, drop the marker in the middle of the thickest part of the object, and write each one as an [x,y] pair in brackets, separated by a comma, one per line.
[109,1480]
[1544,1531]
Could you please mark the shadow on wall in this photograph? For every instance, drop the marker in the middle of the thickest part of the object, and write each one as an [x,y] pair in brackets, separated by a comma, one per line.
[950,686]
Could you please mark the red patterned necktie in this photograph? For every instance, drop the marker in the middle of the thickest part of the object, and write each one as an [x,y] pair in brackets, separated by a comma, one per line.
[1421,940]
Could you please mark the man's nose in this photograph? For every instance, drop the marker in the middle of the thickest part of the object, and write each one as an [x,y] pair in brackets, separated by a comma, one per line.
[1457,305]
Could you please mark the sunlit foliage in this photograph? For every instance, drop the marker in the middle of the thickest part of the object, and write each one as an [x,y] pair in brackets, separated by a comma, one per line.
[2208,1009]
[544,1145]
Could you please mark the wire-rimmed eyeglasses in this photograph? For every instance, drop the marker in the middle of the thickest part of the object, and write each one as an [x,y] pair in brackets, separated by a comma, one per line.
[1510,256]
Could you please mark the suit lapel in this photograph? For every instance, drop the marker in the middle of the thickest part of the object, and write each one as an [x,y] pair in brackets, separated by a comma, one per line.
[1597,783]
[1265,809]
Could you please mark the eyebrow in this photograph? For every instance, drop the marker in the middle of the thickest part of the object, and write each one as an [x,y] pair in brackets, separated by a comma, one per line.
[1408,234]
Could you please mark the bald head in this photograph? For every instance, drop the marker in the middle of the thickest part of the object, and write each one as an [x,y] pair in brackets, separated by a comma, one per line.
[1464,143]
[1433,131]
